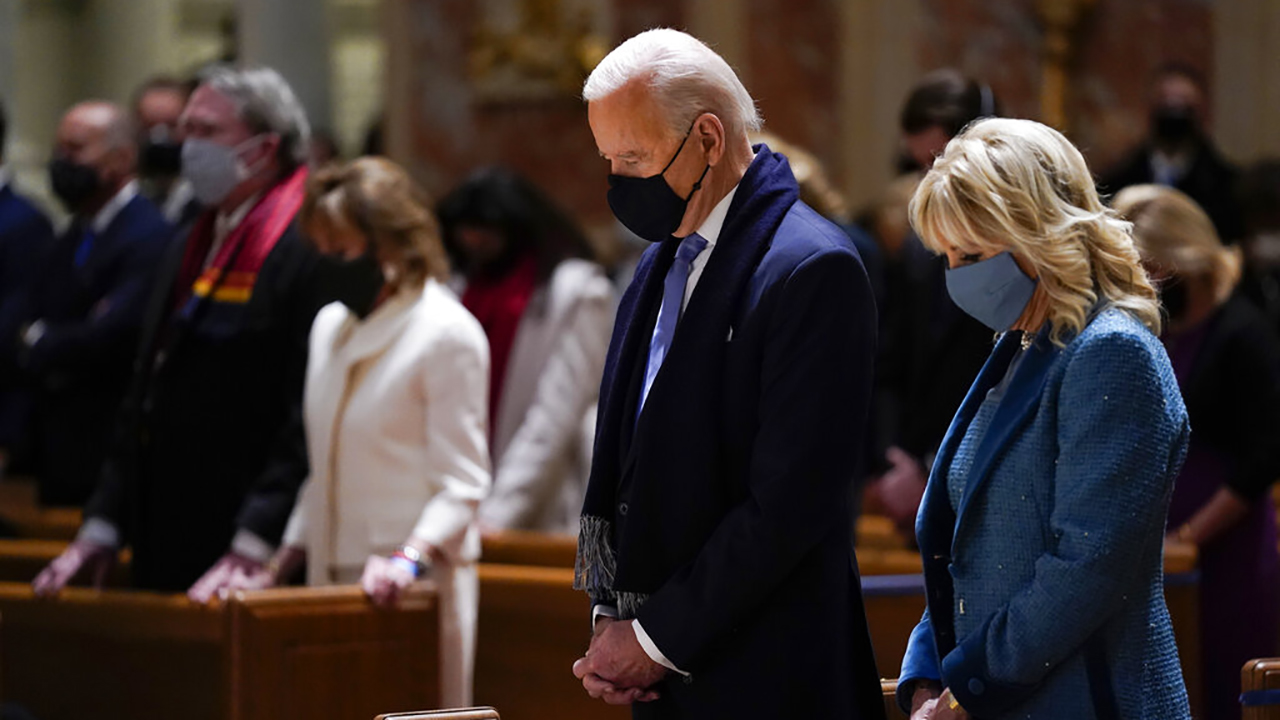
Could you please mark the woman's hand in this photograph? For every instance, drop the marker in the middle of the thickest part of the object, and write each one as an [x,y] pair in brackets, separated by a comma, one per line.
[385,579]
[946,708]
[924,699]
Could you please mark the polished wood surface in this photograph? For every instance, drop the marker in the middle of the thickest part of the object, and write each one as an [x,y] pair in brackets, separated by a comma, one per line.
[486,713]
[1256,676]
[518,547]
[20,511]
[533,626]
[320,654]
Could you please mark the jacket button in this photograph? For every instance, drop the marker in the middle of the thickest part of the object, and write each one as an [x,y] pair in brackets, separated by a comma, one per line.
[976,687]
[622,508]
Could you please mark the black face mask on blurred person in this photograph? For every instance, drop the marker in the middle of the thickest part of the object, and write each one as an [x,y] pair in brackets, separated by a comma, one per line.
[73,183]
[160,158]
[354,283]
[1174,125]
[1173,295]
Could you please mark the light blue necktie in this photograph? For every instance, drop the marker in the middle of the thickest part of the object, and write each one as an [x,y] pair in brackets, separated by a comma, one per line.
[672,299]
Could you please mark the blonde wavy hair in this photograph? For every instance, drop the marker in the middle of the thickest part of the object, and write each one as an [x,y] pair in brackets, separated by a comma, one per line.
[378,198]
[1173,233]
[1020,186]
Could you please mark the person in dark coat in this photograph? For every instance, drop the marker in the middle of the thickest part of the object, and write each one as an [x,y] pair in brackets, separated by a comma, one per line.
[932,349]
[157,107]
[25,235]
[211,454]
[714,534]
[1178,152]
[1227,361]
[87,302]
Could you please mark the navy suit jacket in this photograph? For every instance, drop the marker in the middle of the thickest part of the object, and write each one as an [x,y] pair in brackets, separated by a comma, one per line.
[93,313]
[25,235]
[82,363]
[726,500]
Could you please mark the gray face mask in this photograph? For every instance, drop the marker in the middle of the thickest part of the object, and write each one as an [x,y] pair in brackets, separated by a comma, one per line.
[994,291]
[214,170]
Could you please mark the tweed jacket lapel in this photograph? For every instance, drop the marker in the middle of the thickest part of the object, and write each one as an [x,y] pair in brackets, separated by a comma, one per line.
[1019,403]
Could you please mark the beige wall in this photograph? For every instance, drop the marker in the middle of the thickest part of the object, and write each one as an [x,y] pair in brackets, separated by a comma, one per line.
[1247,78]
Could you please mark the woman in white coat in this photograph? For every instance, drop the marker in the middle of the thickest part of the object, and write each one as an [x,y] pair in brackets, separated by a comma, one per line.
[547,310]
[395,410]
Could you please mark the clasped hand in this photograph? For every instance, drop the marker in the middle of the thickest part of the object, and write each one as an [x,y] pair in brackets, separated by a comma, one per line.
[616,668]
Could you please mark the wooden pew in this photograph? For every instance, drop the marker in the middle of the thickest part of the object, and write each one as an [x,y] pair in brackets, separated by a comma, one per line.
[315,653]
[19,509]
[518,547]
[1260,689]
[22,560]
[486,713]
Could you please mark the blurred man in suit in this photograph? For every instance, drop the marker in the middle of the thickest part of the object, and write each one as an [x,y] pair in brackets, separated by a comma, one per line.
[157,107]
[211,451]
[1179,153]
[86,308]
[25,235]
[714,535]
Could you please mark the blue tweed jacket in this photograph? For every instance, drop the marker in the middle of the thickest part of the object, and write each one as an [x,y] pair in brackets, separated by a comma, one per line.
[1045,590]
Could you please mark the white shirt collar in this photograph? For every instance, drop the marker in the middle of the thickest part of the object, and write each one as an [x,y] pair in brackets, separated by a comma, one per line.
[711,227]
[114,206]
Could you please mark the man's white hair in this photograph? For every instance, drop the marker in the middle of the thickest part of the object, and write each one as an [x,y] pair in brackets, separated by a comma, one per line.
[685,77]
[266,103]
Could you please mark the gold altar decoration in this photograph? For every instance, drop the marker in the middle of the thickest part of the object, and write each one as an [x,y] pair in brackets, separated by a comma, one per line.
[535,49]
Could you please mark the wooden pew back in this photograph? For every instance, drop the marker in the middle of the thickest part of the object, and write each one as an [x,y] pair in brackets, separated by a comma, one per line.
[1260,689]
[319,654]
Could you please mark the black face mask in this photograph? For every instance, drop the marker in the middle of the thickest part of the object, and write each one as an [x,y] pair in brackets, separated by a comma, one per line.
[648,206]
[354,283]
[160,158]
[73,183]
[1173,125]
[1173,295]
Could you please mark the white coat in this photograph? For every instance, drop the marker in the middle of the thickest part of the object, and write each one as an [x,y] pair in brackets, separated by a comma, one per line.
[546,418]
[395,409]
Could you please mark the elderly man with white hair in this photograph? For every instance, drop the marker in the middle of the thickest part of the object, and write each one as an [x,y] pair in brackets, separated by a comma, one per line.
[715,531]
[209,453]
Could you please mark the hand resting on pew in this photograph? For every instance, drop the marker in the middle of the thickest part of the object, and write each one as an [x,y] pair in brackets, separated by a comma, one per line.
[234,572]
[81,560]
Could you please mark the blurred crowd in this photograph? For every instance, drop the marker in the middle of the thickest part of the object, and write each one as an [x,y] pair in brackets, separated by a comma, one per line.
[245,355]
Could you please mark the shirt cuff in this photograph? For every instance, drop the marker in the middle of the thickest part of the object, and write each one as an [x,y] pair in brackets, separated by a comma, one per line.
[34,332]
[246,544]
[652,650]
[97,531]
[600,611]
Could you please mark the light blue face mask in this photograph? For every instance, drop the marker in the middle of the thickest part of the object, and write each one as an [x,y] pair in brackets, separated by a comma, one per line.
[994,291]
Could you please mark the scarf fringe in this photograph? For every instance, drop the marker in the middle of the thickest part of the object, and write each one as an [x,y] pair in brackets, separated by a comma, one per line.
[629,604]
[594,568]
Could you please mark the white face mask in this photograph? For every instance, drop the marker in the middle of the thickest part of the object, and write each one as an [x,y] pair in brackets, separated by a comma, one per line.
[213,169]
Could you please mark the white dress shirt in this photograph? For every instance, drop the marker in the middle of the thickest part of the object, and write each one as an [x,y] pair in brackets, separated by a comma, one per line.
[709,231]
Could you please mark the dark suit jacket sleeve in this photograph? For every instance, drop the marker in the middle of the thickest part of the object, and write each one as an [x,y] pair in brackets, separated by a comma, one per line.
[22,249]
[815,393]
[1250,371]
[271,499]
[108,337]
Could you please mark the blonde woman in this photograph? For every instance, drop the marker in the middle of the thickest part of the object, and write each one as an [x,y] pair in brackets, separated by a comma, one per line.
[395,411]
[1227,359]
[1042,521]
